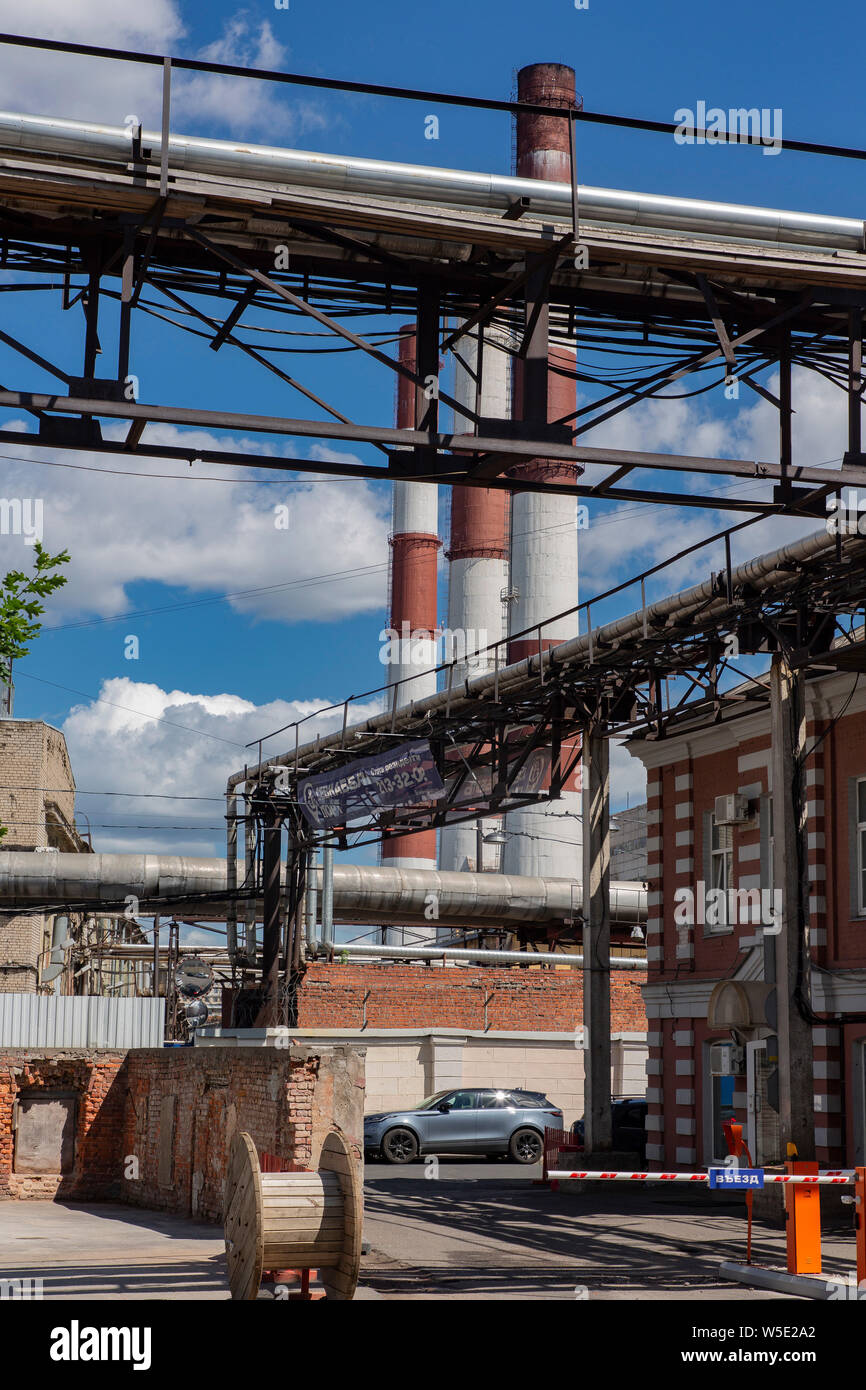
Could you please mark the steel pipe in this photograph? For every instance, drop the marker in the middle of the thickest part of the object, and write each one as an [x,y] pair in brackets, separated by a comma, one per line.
[240,162]
[480,956]
[361,893]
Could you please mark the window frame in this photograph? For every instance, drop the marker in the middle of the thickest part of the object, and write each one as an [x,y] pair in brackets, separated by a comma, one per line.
[723,927]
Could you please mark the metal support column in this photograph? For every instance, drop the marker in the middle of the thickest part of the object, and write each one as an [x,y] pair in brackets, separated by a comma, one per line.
[427,369]
[271,894]
[536,347]
[855,382]
[311,902]
[796,1072]
[786,415]
[328,897]
[596,940]
[91,313]
[250,877]
[127,282]
[232,875]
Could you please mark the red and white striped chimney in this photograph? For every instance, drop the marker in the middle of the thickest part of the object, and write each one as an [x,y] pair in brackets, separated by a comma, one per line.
[477,565]
[545,839]
[411,644]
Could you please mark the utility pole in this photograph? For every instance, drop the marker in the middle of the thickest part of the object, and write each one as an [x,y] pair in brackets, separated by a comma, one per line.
[271,925]
[598,1134]
[792,974]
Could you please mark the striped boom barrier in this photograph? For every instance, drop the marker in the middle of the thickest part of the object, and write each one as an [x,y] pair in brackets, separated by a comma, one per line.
[834,1178]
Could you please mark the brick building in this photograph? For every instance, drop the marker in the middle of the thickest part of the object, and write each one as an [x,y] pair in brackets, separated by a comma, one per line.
[37,807]
[697,938]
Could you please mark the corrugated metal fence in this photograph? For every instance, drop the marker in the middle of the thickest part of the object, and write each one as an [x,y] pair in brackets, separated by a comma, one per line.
[87,1020]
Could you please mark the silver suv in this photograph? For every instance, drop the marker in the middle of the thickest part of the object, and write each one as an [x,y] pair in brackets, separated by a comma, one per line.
[465,1121]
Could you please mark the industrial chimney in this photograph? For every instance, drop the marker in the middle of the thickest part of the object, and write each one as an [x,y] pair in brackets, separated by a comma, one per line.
[545,839]
[411,649]
[477,563]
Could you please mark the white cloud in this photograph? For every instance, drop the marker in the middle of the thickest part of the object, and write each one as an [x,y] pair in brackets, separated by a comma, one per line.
[95,89]
[644,535]
[206,537]
[141,739]
[106,91]
[627,777]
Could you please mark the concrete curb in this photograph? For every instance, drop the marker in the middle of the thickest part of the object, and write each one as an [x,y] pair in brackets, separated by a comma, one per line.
[820,1286]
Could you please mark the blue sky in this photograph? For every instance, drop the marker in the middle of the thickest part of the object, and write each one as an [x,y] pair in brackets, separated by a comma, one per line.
[243,665]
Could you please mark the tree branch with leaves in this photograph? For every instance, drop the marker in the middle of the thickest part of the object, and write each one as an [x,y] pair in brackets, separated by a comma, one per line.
[21,608]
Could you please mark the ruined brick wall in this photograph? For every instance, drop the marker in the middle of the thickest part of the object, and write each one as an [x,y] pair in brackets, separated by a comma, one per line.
[409,996]
[154,1126]
[186,1105]
[93,1076]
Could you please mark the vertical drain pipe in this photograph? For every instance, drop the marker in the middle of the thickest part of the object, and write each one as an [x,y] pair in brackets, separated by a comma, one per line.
[328,898]
[311,905]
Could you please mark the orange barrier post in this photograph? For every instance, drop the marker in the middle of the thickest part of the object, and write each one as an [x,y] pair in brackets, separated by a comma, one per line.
[737,1145]
[803,1216]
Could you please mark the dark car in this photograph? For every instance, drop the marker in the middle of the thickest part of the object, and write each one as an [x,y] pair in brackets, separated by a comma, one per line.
[629,1126]
[465,1121]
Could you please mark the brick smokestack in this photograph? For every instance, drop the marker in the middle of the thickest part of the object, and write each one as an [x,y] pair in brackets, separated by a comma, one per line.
[544,575]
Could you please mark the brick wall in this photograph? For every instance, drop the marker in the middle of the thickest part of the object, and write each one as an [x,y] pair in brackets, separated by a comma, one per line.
[154,1126]
[408,996]
[35,775]
[98,1122]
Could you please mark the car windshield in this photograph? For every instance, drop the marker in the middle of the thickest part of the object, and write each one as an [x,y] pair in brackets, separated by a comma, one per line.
[430,1100]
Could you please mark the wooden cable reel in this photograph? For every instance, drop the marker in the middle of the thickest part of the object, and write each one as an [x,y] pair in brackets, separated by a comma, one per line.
[293,1220]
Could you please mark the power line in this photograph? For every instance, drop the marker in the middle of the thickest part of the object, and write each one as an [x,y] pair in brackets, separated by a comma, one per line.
[99,700]
[244,479]
[145,796]
[333,576]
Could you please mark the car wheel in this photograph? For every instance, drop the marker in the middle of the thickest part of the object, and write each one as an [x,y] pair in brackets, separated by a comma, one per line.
[399,1146]
[526,1146]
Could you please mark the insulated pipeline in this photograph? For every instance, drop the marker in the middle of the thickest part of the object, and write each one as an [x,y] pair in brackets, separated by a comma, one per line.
[239,162]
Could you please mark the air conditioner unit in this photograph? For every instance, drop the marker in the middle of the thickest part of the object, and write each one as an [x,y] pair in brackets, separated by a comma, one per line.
[726,1059]
[731,810]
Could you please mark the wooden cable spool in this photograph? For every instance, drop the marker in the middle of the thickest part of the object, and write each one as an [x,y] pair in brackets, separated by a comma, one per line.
[293,1220]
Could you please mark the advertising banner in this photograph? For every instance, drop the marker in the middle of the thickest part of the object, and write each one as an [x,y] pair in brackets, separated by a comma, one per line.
[404,776]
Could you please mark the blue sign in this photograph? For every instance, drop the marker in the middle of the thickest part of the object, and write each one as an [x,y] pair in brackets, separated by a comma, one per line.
[403,777]
[737,1177]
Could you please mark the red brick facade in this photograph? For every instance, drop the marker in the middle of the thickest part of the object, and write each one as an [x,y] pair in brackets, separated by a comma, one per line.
[686,960]
[502,1000]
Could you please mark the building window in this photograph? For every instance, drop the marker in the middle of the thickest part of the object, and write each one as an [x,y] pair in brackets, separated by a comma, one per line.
[721,871]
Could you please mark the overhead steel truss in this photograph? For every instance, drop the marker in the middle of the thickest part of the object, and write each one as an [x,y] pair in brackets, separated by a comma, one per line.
[136,236]
[638,675]
[673,661]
